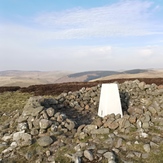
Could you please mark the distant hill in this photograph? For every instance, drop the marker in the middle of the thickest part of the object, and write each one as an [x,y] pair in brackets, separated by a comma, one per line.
[17,72]
[136,73]
[85,76]
[27,78]
[95,75]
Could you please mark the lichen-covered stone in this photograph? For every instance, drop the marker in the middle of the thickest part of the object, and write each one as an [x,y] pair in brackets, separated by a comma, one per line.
[45,141]
[44,123]
[22,139]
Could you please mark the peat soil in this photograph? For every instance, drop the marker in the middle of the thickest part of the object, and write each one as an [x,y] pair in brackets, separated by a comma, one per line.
[56,89]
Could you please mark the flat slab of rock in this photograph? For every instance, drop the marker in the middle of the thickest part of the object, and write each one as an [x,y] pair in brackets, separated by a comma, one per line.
[88,154]
[100,131]
[45,141]
[32,111]
[22,139]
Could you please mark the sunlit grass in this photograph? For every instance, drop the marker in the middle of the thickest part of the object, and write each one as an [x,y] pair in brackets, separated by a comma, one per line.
[10,102]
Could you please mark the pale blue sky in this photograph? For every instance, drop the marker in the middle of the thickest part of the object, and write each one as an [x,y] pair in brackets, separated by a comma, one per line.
[75,35]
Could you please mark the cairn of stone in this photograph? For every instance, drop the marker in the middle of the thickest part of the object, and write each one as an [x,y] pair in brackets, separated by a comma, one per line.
[70,120]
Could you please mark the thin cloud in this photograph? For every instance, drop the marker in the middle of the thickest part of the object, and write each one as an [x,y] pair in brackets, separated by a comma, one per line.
[126,18]
[89,39]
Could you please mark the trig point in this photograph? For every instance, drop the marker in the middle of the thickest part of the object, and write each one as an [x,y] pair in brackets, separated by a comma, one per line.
[109,100]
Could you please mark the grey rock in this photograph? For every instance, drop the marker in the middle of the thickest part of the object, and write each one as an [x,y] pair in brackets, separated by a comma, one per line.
[51,159]
[143,134]
[88,154]
[116,150]
[145,155]
[114,125]
[54,127]
[36,124]
[157,139]
[141,85]
[80,146]
[132,119]
[127,124]
[44,123]
[134,110]
[29,155]
[3,145]
[109,142]
[52,101]
[32,111]
[34,132]
[100,131]
[70,124]
[13,145]
[153,145]
[138,124]
[75,158]
[7,150]
[50,112]
[130,155]
[6,137]
[34,101]
[48,153]
[152,110]
[92,146]
[121,123]
[102,151]
[109,155]
[22,139]
[147,148]
[119,143]
[45,141]
[111,161]
[137,154]
[89,128]
[98,122]
[30,122]
[22,126]
[61,117]
[22,119]
[145,118]
[145,125]
[83,135]
[44,114]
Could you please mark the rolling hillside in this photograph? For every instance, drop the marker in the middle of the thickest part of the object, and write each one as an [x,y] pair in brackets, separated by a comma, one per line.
[27,78]
[98,75]
[134,74]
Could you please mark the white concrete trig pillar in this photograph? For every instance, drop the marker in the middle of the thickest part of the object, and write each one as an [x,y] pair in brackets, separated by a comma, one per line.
[109,100]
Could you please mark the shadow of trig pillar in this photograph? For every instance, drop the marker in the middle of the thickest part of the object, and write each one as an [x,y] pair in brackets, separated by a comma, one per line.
[109,100]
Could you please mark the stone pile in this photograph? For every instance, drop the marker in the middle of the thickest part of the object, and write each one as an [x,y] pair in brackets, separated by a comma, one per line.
[57,123]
